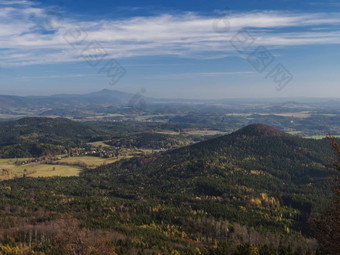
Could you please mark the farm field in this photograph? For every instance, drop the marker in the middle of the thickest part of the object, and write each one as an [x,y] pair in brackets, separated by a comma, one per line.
[65,167]
[201,132]
[47,170]
[89,161]
[294,132]
[99,143]
[319,137]
[205,132]
[9,169]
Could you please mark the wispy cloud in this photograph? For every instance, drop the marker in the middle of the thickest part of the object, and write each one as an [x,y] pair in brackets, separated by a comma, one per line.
[26,40]
[61,76]
[325,3]
[199,75]
[13,2]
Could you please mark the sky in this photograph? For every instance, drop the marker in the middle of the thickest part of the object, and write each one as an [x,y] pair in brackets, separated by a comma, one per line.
[171,49]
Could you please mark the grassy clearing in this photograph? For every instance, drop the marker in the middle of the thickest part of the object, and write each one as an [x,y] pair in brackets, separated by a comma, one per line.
[319,137]
[10,170]
[72,166]
[100,143]
[45,170]
[204,132]
[89,161]
[12,160]
[301,115]
[316,137]
[168,132]
[294,132]
[200,132]
[11,116]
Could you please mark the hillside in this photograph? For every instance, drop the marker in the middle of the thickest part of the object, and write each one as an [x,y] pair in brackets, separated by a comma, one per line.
[33,136]
[58,127]
[255,147]
[37,136]
[236,169]
[256,186]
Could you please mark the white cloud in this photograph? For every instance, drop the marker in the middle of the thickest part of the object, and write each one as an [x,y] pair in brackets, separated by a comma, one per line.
[13,2]
[57,76]
[26,35]
[199,75]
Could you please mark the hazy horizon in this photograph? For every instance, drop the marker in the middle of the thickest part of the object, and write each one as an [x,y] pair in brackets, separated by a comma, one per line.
[145,94]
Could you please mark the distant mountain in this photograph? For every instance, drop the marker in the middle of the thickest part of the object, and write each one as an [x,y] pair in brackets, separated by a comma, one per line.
[103,97]
[14,101]
[115,97]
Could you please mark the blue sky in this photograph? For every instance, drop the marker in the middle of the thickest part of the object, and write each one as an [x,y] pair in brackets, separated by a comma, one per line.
[185,49]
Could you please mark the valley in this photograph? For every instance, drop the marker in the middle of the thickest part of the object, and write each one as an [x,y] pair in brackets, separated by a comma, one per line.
[169,127]
[304,116]
[160,187]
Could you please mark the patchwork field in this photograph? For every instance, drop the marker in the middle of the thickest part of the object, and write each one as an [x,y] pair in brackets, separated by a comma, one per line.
[72,166]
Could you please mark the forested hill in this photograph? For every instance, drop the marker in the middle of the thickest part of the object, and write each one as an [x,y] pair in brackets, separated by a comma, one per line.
[32,136]
[256,186]
[252,164]
[42,127]
[255,147]
[37,136]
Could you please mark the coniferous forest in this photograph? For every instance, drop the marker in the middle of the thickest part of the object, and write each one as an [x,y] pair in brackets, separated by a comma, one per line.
[254,191]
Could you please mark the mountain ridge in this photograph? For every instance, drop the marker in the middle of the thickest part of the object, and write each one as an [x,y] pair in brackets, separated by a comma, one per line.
[233,169]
